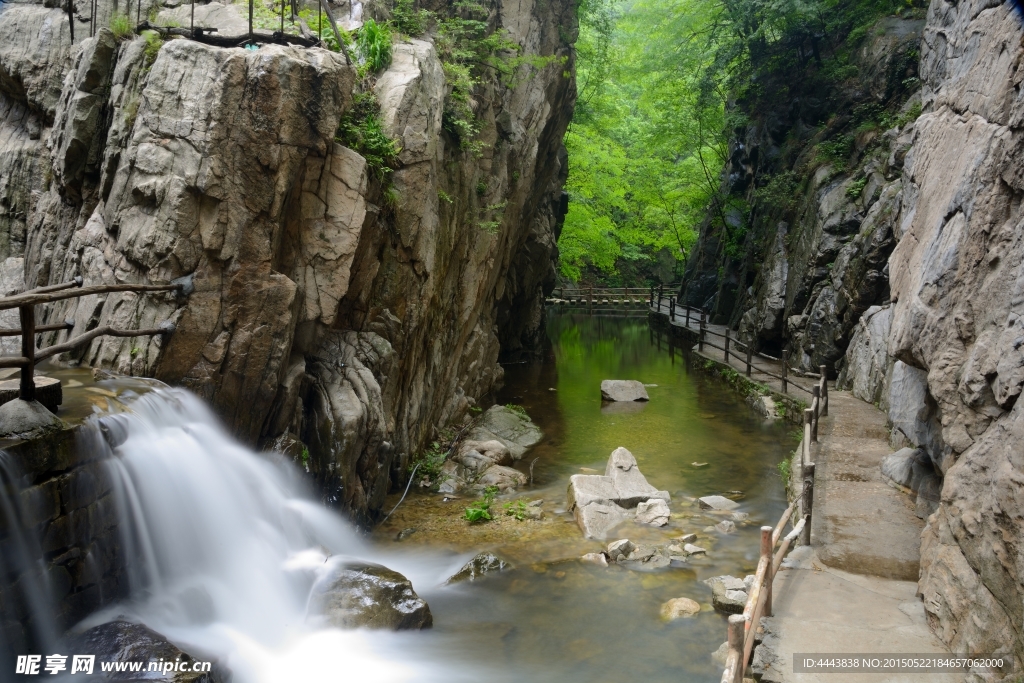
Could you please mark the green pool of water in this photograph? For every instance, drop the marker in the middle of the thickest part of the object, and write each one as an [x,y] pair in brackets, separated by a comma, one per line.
[554,618]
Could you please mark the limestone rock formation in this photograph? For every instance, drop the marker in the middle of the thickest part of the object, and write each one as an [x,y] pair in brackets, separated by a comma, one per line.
[601,503]
[324,311]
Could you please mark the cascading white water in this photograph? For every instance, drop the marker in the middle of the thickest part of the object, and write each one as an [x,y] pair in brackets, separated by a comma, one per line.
[225,546]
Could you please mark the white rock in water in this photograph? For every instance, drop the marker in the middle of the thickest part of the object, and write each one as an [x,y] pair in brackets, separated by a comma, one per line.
[597,520]
[726,527]
[623,390]
[654,512]
[631,486]
[595,558]
[678,608]
[687,538]
[691,549]
[717,503]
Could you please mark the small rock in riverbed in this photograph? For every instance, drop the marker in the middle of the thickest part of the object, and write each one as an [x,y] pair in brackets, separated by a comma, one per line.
[535,503]
[484,563]
[404,534]
[729,594]
[691,549]
[654,512]
[618,549]
[740,516]
[595,558]
[677,560]
[721,654]
[687,538]
[726,527]
[717,503]
[678,608]
[698,464]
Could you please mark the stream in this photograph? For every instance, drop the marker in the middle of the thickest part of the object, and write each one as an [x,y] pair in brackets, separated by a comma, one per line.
[554,618]
[227,544]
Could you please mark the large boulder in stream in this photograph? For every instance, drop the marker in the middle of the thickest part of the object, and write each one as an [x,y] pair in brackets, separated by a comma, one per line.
[364,595]
[623,390]
[508,426]
[123,641]
[601,503]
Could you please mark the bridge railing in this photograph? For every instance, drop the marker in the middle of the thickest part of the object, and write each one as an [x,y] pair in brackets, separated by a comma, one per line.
[26,303]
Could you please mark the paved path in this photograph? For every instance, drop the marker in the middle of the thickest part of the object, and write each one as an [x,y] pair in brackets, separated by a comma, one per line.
[854,590]
[799,387]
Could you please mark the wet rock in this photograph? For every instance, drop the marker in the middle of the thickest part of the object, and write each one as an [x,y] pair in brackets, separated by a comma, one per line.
[726,526]
[631,486]
[477,456]
[404,534]
[765,406]
[482,564]
[363,595]
[740,516]
[728,594]
[505,478]
[654,512]
[679,608]
[677,560]
[619,549]
[123,641]
[645,558]
[691,549]
[585,489]
[717,503]
[27,420]
[599,559]
[453,477]
[623,390]
[599,520]
[687,538]
[506,426]
[721,654]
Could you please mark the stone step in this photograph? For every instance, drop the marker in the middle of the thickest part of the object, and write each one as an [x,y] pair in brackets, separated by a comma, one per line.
[48,391]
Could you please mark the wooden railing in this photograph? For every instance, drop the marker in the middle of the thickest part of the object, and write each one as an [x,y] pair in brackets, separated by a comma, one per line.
[26,303]
[599,296]
[742,629]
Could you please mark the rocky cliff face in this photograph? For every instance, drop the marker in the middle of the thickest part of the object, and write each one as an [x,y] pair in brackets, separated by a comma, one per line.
[325,315]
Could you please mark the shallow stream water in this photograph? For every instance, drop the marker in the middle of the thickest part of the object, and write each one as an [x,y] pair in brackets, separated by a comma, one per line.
[554,618]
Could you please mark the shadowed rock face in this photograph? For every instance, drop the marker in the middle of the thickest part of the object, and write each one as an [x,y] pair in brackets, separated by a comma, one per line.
[324,316]
[356,595]
[123,641]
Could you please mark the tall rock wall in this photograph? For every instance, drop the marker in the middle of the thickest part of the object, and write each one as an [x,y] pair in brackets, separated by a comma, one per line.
[327,316]
[957,278]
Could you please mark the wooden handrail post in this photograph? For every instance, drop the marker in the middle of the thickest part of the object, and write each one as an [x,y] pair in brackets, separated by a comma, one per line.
[785,371]
[766,551]
[590,298]
[687,309]
[700,335]
[808,501]
[824,392]
[737,627]
[749,354]
[27,389]
[727,345]
[808,416]
[672,308]
[816,404]
[652,295]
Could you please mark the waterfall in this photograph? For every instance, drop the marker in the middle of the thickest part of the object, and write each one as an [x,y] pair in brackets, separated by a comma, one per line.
[226,544]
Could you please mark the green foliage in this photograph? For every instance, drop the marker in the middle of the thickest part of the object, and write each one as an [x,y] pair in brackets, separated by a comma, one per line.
[518,411]
[430,463]
[480,510]
[516,509]
[779,193]
[784,468]
[836,152]
[361,129]
[153,44]
[373,45]
[304,458]
[121,27]
[470,51]
[444,196]
[854,191]
[406,19]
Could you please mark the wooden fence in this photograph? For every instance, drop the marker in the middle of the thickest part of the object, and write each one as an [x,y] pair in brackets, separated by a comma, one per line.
[26,303]
[742,629]
[628,297]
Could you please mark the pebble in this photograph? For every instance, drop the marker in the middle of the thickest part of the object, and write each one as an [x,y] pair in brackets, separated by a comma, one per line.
[595,558]
[694,549]
[687,538]
[535,503]
[726,527]
[698,464]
